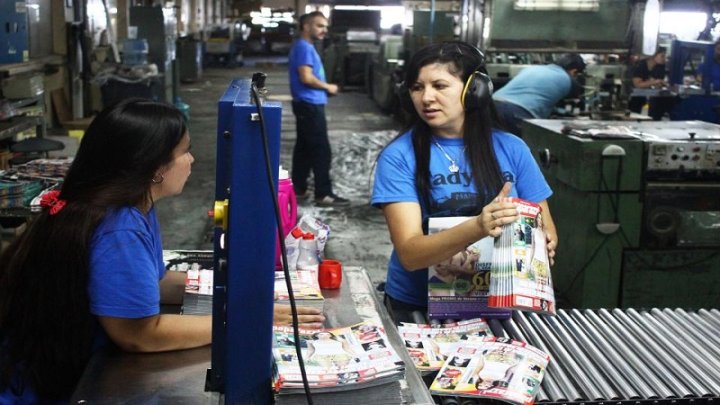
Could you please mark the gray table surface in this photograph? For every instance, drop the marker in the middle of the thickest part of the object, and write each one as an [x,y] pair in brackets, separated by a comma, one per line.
[179,377]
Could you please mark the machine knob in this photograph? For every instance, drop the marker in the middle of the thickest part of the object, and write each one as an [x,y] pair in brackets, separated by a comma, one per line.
[663,221]
[219,213]
[546,158]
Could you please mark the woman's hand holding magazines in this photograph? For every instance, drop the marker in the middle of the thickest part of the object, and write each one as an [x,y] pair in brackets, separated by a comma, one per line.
[497,213]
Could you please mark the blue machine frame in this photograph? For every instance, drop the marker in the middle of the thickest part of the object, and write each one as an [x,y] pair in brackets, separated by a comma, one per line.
[680,54]
[704,106]
[245,236]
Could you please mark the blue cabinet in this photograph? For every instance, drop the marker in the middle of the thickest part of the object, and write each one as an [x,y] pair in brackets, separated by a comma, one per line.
[13,31]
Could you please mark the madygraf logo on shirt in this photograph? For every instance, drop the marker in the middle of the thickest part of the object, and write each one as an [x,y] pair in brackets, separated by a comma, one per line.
[460,196]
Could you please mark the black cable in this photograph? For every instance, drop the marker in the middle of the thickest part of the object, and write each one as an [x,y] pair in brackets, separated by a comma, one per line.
[276,206]
[583,268]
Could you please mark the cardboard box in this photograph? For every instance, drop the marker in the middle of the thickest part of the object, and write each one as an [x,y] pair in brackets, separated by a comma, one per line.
[23,86]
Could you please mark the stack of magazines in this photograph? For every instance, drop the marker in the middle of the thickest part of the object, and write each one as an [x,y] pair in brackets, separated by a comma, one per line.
[496,368]
[520,276]
[198,266]
[336,360]
[306,289]
[430,345]
[15,194]
[53,168]
[458,288]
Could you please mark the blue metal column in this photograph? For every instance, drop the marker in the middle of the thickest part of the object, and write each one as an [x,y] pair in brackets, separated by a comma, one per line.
[244,248]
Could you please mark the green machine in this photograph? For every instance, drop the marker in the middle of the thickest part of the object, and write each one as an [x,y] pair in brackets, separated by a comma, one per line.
[637,210]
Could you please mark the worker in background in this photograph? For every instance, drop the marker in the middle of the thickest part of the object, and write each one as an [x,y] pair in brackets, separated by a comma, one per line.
[450,162]
[714,68]
[535,91]
[87,273]
[310,92]
[649,73]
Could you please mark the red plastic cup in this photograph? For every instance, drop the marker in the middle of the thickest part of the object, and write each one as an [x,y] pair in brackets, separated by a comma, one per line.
[330,274]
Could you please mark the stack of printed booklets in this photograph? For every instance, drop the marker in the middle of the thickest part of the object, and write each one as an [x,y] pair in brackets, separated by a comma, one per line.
[305,287]
[520,276]
[46,168]
[430,345]
[198,266]
[496,368]
[458,288]
[357,357]
[18,193]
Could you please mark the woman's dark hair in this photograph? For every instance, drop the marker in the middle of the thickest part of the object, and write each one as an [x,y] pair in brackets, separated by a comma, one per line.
[46,328]
[316,335]
[462,60]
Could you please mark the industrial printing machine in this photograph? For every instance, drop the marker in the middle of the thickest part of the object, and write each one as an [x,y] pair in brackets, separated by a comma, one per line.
[637,211]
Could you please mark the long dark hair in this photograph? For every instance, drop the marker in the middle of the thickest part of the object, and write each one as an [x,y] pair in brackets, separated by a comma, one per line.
[46,328]
[462,60]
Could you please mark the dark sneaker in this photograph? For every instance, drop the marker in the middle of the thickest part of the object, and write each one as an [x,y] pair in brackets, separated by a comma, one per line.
[302,196]
[331,200]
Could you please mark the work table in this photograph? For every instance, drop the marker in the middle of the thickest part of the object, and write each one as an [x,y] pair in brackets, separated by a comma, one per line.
[179,376]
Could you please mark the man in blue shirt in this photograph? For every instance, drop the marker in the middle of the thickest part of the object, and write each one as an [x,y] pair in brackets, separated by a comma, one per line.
[535,90]
[309,92]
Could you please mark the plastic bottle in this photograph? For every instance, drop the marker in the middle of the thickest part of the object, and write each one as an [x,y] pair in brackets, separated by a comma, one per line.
[308,257]
[287,202]
[292,247]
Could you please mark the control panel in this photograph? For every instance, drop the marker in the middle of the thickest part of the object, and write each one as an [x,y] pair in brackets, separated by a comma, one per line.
[685,156]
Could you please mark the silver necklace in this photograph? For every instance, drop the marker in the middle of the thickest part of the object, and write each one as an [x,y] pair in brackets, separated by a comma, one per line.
[454,168]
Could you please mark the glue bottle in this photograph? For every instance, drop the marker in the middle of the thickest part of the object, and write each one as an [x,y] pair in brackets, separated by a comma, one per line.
[287,202]
[308,257]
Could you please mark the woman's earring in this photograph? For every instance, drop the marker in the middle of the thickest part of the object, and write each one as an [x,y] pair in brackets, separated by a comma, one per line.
[156,180]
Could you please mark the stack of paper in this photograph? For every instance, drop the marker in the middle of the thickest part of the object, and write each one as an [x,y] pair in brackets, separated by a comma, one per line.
[520,276]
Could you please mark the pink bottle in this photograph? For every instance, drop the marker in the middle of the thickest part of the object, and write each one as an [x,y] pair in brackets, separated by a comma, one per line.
[288,209]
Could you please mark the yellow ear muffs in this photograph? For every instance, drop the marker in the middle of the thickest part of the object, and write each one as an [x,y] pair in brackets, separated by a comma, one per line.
[477,91]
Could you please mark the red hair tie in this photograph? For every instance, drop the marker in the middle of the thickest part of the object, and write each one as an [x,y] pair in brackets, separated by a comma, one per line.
[50,200]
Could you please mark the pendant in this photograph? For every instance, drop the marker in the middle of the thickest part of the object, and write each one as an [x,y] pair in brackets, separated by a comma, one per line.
[453,168]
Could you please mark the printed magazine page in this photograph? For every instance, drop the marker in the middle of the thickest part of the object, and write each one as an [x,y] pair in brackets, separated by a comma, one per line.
[198,264]
[306,288]
[496,368]
[458,288]
[429,346]
[335,359]
[521,277]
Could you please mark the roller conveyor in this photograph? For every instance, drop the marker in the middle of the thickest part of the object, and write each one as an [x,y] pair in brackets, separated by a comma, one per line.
[618,356]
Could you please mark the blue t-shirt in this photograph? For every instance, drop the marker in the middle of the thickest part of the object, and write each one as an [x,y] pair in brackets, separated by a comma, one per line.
[304,53]
[452,194]
[537,89]
[126,265]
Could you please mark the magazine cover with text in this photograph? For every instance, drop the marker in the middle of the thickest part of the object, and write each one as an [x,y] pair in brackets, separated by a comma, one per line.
[335,359]
[306,288]
[430,345]
[198,264]
[496,368]
[521,277]
[458,288]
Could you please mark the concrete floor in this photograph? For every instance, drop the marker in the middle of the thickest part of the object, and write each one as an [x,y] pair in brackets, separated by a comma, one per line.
[357,130]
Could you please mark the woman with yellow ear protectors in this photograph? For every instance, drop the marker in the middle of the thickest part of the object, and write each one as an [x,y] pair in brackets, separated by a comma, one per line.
[450,161]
